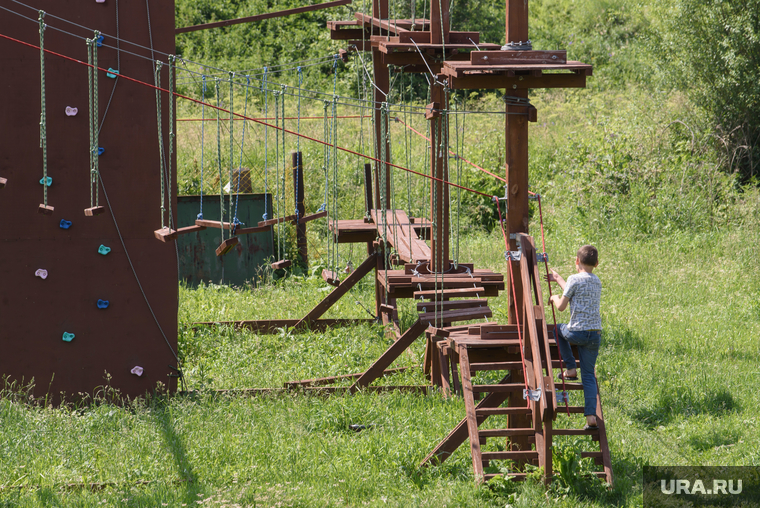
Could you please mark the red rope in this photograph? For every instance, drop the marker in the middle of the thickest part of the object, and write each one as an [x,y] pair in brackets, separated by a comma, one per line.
[251,119]
[514,299]
[269,118]
[554,316]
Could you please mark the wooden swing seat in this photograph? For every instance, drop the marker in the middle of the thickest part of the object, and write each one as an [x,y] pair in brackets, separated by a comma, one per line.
[331,277]
[284,263]
[95,210]
[227,246]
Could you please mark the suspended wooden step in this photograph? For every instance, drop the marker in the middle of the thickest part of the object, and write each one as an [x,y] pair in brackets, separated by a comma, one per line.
[95,210]
[228,226]
[313,216]
[284,263]
[331,277]
[167,234]
[272,222]
[227,246]
[45,210]
[3,181]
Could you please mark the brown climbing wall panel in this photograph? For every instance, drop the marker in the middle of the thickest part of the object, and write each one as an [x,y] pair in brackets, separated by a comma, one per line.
[35,312]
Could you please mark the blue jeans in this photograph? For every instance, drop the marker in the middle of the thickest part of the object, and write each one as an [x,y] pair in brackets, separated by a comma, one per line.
[588,342]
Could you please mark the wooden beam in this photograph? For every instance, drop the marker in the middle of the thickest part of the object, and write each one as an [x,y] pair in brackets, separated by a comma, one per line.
[261,17]
[512,83]
[323,306]
[390,355]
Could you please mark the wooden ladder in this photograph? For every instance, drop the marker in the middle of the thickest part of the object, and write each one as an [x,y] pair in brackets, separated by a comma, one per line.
[530,427]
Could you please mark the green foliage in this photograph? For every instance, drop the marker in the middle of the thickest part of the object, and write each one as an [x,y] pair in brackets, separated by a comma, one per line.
[575,476]
[712,51]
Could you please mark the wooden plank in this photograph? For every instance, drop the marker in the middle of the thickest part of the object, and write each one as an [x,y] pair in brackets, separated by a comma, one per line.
[492,81]
[254,229]
[192,229]
[511,455]
[493,411]
[261,17]
[227,246]
[506,432]
[282,264]
[350,281]
[603,444]
[165,234]
[331,277]
[505,387]
[272,222]
[346,34]
[518,57]
[390,355]
[449,305]
[321,381]
[486,366]
[471,418]
[388,25]
[3,182]
[96,210]
[273,325]
[451,293]
[214,224]
[390,48]
[313,216]
[45,210]
[450,316]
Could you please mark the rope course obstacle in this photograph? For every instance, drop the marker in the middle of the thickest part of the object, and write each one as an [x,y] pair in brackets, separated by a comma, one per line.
[447,293]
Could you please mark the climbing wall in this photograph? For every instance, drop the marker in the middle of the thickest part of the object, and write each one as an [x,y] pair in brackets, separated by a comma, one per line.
[72,306]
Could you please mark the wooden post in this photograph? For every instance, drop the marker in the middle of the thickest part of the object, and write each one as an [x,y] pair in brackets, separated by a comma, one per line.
[303,248]
[439,168]
[439,15]
[382,87]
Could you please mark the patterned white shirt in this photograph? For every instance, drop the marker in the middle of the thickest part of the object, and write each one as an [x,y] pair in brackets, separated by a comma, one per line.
[584,290]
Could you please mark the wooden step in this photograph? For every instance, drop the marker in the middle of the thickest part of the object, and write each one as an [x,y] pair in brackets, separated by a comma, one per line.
[506,387]
[284,263]
[477,343]
[510,455]
[573,432]
[561,409]
[227,246]
[567,386]
[450,293]
[331,277]
[506,432]
[450,316]
[449,305]
[486,366]
[493,411]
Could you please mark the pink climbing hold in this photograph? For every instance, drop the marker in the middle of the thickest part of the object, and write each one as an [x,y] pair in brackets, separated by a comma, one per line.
[71,111]
[137,370]
[41,273]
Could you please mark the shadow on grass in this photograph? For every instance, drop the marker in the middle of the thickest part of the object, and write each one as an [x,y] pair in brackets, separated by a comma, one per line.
[622,337]
[673,401]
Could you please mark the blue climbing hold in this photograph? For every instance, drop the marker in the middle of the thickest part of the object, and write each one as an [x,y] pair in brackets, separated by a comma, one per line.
[104,250]
[199,216]
[103,304]
[100,40]
[112,73]
[68,337]
[49,181]
[101,150]
[65,224]
[264,216]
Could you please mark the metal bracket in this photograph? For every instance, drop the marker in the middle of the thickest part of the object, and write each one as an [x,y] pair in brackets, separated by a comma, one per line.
[534,197]
[542,257]
[534,395]
[513,255]
[563,398]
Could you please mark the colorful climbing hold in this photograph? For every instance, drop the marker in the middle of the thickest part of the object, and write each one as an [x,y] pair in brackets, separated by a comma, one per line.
[71,111]
[100,37]
[112,73]
[41,273]
[104,250]
[49,181]
[68,337]
[65,224]
[100,1]
[103,304]
[101,150]
[137,370]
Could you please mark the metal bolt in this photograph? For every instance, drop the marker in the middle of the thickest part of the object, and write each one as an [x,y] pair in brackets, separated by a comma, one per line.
[554,57]
[485,57]
[520,78]
[514,87]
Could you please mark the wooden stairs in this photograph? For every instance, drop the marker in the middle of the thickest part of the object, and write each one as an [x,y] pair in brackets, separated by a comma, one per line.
[507,373]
